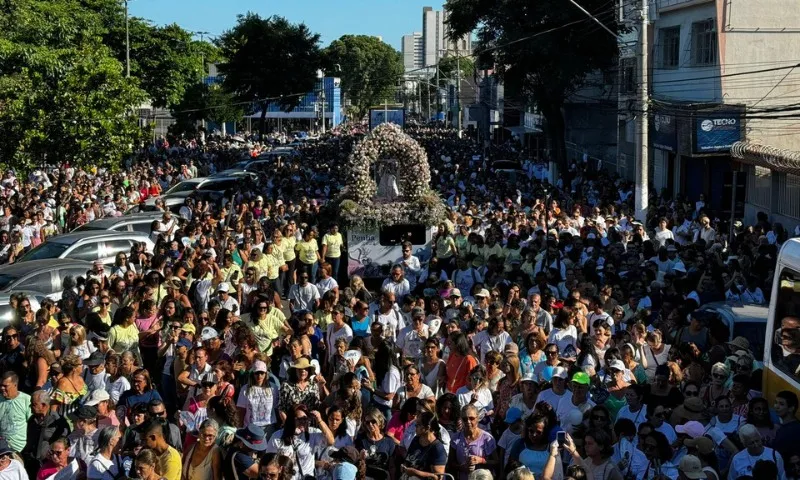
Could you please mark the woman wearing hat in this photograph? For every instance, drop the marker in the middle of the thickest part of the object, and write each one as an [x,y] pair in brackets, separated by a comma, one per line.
[300,389]
[240,461]
[258,399]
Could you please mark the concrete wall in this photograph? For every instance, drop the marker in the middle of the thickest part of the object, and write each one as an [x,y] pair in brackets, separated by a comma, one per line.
[758,35]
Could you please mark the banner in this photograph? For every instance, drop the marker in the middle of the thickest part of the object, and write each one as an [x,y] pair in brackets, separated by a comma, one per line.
[391,115]
[664,132]
[717,131]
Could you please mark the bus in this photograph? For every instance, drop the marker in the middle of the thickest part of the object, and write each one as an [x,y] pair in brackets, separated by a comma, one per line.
[782,342]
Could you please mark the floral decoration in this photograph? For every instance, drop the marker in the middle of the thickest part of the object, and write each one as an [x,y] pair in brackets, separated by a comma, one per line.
[417,201]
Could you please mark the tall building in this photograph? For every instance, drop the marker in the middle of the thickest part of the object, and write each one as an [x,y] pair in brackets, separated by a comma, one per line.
[411,48]
[434,37]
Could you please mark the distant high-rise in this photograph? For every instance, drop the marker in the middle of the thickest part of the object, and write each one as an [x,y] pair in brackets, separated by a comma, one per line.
[435,44]
[411,48]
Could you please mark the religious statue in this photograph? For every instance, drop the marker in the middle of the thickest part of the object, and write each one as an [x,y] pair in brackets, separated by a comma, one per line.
[387,183]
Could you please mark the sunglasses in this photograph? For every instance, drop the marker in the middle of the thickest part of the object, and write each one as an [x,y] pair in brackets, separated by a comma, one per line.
[12,336]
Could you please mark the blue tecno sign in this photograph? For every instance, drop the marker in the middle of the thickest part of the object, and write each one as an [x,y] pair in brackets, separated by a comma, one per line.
[717,132]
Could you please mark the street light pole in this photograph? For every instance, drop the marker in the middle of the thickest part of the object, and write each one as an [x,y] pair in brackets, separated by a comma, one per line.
[458,91]
[127,43]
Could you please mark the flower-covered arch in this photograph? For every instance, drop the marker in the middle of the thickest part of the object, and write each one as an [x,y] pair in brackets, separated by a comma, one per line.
[417,203]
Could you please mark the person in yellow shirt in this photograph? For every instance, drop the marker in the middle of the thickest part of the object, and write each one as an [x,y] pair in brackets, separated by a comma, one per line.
[332,243]
[268,324]
[230,272]
[255,261]
[168,460]
[446,249]
[273,263]
[289,256]
[308,254]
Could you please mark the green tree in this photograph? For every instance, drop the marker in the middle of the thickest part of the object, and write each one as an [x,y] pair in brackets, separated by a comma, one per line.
[449,68]
[369,68]
[165,59]
[63,96]
[206,102]
[269,60]
[542,50]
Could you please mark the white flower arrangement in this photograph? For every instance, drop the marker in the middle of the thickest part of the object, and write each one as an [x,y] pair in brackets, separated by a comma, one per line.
[417,202]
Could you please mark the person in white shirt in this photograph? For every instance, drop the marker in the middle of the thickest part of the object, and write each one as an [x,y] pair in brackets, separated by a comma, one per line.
[634,410]
[743,462]
[465,277]
[226,300]
[579,400]
[10,467]
[492,339]
[411,339]
[553,395]
[682,231]
[662,233]
[397,284]
[387,316]
[303,296]
[598,315]
[411,266]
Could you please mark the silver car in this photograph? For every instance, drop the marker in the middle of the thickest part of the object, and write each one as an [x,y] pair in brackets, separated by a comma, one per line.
[139,222]
[88,246]
[45,276]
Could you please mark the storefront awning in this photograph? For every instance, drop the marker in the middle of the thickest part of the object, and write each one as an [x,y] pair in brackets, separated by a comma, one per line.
[519,130]
[784,161]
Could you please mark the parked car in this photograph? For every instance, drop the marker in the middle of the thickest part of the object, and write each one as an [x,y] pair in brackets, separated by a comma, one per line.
[175,201]
[139,222]
[88,246]
[7,313]
[45,276]
[748,321]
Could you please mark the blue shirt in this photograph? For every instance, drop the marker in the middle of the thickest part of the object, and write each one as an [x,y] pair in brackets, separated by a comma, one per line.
[360,328]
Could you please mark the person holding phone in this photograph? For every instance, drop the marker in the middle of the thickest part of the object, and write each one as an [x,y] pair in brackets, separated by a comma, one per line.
[598,447]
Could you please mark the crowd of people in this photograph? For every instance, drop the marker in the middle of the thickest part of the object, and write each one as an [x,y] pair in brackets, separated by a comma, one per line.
[545,334]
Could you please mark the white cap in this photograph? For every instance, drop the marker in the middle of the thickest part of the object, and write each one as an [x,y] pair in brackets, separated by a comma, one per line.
[483,293]
[223,287]
[208,333]
[617,365]
[96,397]
[560,372]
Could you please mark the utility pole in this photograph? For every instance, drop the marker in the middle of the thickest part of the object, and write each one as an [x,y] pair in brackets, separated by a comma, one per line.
[642,137]
[438,92]
[127,43]
[458,90]
[202,53]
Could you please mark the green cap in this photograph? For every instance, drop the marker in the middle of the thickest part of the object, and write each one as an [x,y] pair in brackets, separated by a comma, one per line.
[581,378]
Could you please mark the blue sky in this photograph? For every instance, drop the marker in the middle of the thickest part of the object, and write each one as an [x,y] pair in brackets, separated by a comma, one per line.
[389,19]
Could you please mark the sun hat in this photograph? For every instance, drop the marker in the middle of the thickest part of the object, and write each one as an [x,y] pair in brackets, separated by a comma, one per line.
[303,364]
[581,378]
[740,343]
[691,467]
[704,445]
[692,428]
[96,358]
[253,437]
[97,396]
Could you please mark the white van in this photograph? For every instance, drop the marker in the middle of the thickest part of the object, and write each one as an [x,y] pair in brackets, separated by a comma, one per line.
[371,253]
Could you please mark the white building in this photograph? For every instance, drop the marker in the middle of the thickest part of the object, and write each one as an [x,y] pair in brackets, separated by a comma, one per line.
[434,37]
[411,48]
[718,68]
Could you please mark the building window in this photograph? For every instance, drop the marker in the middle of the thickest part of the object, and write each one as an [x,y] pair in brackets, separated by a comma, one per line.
[789,195]
[704,43]
[628,84]
[670,40]
[759,187]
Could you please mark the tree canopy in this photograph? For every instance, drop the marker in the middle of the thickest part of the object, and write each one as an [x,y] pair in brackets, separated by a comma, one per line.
[269,60]
[542,50]
[369,68]
[63,95]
